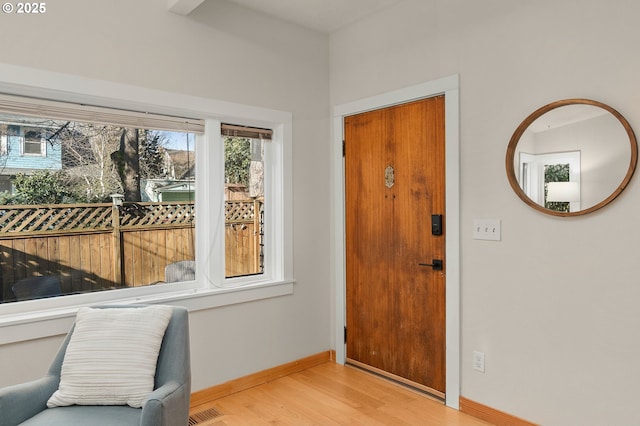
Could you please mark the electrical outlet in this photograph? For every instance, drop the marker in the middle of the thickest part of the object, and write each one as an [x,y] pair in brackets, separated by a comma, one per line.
[478,361]
[487,229]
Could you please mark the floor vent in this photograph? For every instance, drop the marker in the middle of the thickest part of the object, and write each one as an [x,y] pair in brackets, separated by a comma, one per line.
[203,416]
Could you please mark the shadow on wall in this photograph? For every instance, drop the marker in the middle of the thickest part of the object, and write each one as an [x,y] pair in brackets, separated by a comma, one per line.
[257,29]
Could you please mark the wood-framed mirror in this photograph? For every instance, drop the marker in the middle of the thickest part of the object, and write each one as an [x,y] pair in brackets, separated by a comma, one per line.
[571,157]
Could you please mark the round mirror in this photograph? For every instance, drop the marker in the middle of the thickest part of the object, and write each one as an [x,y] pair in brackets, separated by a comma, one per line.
[571,157]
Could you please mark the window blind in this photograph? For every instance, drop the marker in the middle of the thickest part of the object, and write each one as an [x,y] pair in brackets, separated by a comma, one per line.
[234,130]
[32,107]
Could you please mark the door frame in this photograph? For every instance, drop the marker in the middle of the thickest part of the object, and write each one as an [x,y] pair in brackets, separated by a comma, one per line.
[448,86]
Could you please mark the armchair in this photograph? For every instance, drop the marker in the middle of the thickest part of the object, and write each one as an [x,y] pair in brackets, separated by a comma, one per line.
[168,404]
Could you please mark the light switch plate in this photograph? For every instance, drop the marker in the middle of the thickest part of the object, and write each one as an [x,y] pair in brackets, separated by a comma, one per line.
[478,361]
[487,229]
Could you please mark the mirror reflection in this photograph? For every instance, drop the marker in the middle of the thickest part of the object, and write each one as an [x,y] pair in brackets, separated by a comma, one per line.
[571,157]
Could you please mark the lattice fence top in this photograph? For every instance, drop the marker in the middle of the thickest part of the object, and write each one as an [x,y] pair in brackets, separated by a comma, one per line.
[91,217]
[99,217]
[152,214]
[240,211]
[23,219]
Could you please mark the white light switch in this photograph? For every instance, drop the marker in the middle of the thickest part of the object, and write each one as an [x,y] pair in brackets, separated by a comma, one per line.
[486,229]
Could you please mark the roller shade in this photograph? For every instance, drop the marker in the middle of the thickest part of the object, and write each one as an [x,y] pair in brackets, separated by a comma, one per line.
[234,130]
[32,107]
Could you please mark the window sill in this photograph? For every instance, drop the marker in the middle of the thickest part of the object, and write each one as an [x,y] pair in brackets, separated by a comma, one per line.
[54,322]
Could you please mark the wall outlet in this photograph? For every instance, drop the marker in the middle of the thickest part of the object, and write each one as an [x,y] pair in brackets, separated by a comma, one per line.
[487,229]
[478,361]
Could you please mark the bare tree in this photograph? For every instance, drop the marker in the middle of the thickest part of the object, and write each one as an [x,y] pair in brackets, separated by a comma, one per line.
[127,163]
[86,156]
[154,160]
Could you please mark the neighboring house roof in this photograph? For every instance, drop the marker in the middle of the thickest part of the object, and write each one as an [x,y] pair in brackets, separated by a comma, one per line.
[184,186]
[153,188]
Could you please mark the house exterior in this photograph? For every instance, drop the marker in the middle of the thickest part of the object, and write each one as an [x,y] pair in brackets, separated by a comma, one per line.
[26,149]
[165,190]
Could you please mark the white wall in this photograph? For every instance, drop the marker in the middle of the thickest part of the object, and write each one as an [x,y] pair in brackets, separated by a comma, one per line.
[602,165]
[226,53]
[554,305]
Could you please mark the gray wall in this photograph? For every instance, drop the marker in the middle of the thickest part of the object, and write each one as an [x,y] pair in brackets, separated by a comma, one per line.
[554,305]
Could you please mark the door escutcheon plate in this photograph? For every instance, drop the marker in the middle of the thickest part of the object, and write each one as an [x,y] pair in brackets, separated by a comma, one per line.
[389,177]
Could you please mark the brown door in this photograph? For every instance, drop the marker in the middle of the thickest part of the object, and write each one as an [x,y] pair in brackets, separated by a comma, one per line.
[394,174]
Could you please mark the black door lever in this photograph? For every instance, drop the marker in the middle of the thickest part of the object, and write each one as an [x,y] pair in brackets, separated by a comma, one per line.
[436,264]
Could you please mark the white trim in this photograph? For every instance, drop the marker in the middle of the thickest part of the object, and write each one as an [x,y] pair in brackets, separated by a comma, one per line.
[53,322]
[66,111]
[449,86]
[23,81]
[38,318]
[23,143]
[183,7]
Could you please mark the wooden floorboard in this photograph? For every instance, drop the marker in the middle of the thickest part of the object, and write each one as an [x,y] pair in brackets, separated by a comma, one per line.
[332,394]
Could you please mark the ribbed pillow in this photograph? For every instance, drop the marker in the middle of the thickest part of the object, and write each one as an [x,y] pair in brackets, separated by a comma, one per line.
[111,357]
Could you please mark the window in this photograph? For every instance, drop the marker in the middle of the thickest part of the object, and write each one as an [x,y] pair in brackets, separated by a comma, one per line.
[101,215]
[33,141]
[552,179]
[39,318]
[244,199]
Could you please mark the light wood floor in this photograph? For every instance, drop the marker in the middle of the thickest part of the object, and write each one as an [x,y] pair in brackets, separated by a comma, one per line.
[332,394]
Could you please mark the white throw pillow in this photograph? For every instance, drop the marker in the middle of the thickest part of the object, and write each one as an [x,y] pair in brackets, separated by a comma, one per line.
[111,357]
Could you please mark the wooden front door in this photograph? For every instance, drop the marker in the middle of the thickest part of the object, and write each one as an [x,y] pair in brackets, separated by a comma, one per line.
[395,182]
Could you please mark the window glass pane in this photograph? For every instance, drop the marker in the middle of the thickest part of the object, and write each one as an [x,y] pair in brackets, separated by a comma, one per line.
[33,141]
[102,207]
[244,201]
[556,173]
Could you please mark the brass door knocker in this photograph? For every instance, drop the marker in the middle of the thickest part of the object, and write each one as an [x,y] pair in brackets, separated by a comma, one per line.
[389,177]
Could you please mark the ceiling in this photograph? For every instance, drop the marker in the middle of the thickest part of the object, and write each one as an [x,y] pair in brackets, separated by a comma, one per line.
[321,15]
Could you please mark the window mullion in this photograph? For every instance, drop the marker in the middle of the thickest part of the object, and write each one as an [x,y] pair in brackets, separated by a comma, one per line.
[210,205]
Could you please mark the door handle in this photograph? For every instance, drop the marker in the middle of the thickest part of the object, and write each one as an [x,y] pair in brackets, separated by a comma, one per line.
[436,264]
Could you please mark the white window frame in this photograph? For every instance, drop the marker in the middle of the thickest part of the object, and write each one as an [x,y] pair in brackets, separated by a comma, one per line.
[532,175]
[4,147]
[32,319]
[23,144]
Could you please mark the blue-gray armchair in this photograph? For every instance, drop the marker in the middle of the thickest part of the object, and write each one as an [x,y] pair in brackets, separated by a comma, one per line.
[166,405]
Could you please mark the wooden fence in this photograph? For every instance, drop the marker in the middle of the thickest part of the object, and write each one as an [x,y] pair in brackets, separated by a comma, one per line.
[95,247]
[243,237]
